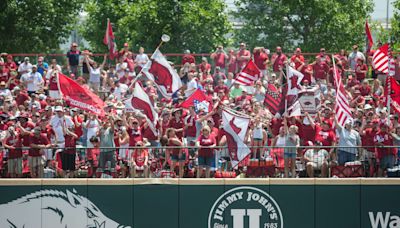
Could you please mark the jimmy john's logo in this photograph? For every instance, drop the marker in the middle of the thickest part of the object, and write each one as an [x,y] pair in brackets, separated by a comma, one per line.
[245,207]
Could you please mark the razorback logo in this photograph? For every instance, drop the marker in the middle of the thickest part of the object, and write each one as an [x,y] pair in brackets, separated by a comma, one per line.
[294,83]
[162,76]
[60,210]
[142,105]
[235,128]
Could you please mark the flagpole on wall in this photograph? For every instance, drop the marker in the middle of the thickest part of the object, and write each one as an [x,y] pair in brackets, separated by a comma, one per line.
[388,99]
[164,39]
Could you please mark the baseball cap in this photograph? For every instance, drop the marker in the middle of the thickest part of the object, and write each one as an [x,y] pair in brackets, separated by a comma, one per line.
[126,45]
[58,109]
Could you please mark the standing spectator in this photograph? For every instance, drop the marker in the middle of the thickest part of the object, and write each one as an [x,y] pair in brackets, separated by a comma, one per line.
[130,63]
[124,52]
[107,151]
[261,60]
[218,76]
[323,56]
[297,58]
[232,62]
[342,57]
[349,140]
[307,70]
[33,80]
[278,60]
[37,143]
[397,68]
[353,56]
[68,155]
[220,57]
[191,85]
[92,126]
[141,60]
[320,69]
[206,143]
[361,70]
[42,66]
[52,84]
[13,144]
[175,152]
[292,140]
[10,64]
[177,123]
[204,67]
[188,58]
[243,56]
[73,59]
[95,73]
[25,67]
[386,156]
[59,123]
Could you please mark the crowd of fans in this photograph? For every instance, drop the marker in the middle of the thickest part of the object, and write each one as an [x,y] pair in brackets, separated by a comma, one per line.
[42,136]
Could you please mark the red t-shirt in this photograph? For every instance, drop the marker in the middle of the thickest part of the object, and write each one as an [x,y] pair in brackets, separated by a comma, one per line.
[148,133]
[134,136]
[386,139]
[14,141]
[4,75]
[279,62]
[78,130]
[232,64]
[140,156]
[217,120]
[28,126]
[307,75]
[365,91]
[70,143]
[320,70]
[361,76]
[206,141]
[188,59]
[259,60]
[223,88]
[306,133]
[173,123]
[191,131]
[21,98]
[367,139]
[242,63]
[41,140]
[53,85]
[276,124]
[219,59]
[325,137]
[297,64]
[204,68]
[126,80]
[175,150]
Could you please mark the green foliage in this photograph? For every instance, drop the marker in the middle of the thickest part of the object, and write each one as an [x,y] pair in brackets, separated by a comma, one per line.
[194,25]
[36,25]
[395,22]
[310,24]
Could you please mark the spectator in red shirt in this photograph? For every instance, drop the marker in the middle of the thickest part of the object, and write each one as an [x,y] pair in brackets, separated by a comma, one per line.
[365,88]
[278,60]
[10,64]
[307,70]
[297,58]
[140,160]
[220,57]
[232,62]
[12,143]
[261,59]
[323,56]
[37,142]
[243,56]
[4,73]
[175,152]
[320,68]
[361,69]
[206,143]
[188,58]
[177,122]
[385,155]
[204,67]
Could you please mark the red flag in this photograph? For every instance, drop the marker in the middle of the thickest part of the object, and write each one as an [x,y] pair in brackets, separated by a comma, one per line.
[381,58]
[199,101]
[272,98]
[249,74]
[394,88]
[77,96]
[109,40]
[369,36]
[162,74]
[342,107]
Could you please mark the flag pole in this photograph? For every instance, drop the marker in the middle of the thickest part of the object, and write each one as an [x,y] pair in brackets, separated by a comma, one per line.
[388,99]
[164,39]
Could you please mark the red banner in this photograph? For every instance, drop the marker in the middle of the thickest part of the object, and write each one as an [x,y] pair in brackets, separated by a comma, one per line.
[77,96]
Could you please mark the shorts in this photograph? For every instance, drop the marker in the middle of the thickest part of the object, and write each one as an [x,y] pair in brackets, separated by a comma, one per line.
[206,161]
[176,158]
[35,161]
[68,161]
[95,86]
[74,70]
[387,162]
[316,165]
[55,94]
[15,165]
[257,140]
[107,159]
[344,157]
[289,155]
[48,154]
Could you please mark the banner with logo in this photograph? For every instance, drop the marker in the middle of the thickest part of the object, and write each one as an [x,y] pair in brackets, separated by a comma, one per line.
[204,203]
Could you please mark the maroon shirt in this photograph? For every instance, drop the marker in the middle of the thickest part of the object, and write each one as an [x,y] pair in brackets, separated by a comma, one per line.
[206,141]
[173,123]
[40,140]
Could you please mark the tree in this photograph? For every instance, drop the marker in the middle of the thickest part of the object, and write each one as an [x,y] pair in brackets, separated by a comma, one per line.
[194,25]
[310,24]
[36,25]
[395,23]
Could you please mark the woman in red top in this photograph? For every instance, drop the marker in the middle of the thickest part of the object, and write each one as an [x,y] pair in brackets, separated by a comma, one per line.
[206,142]
[361,69]
[174,152]
[140,160]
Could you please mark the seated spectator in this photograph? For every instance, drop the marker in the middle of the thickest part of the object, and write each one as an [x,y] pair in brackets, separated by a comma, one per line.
[316,159]
[140,160]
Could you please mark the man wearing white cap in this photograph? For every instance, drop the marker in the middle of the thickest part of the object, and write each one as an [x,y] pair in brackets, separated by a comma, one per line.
[349,142]
[33,81]
[25,66]
[58,122]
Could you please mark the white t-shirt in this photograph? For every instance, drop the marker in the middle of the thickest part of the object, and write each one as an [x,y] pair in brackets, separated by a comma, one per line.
[119,68]
[57,123]
[120,91]
[50,71]
[141,59]
[191,87]
[32,80]
[94,75]
[5,92]
[92,128]
[25,67]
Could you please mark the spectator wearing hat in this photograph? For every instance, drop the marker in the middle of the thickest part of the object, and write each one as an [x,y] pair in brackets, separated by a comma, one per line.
[37,143]
[349,142]
[219,57]
[124,52]
[10,64]
[73,59]
[20,96]
[25,67]
[14,143]
[177,122]
[323,56]
[386,156]
[5,92]
[53,84]
[140,160]
[297,58]
[278,61]
[242,56]
[206,143]
[60,123]
[316,159]
[353,56]
[33,80]
[107,157]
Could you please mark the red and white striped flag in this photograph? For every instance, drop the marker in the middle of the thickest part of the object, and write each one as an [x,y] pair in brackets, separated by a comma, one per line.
[235,128]
[249,74]
[342,107]
[380,59]
[109,40]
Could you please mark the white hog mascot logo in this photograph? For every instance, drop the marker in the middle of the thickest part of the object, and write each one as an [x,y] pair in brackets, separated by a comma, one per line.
[54,209]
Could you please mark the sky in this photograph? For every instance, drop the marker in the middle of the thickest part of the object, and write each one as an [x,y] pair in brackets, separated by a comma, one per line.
[380,9]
